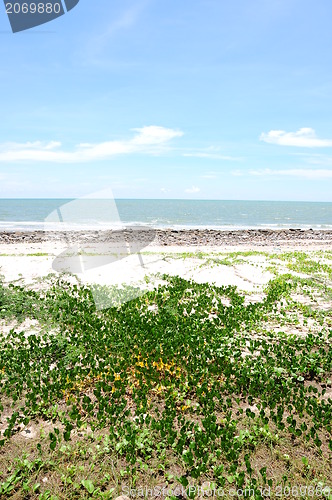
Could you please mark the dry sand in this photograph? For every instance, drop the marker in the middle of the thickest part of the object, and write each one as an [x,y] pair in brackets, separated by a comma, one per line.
[93,257]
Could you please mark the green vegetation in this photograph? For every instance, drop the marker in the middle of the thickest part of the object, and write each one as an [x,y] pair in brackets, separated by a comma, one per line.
[172,388]
[301,262]
[36,254]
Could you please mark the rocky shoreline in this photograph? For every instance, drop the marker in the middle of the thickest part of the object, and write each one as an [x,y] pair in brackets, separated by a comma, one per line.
[181,237]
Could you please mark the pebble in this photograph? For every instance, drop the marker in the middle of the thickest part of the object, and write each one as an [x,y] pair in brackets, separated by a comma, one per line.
[164,237]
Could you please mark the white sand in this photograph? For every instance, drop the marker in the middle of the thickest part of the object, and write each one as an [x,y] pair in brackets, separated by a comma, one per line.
[18,263]
[30,263]
[21,264]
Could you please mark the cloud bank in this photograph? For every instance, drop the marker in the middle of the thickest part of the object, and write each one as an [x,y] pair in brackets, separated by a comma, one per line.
[147,140]
[303,138]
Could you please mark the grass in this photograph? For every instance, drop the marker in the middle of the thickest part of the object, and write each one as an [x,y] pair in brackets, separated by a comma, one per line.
[174,388]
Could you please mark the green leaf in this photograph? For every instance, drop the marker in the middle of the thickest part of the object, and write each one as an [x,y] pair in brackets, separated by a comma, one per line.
[66,435]
[88,485]
[36,487]
[184,481]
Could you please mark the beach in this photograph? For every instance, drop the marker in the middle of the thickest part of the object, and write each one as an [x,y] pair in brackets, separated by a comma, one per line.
[30,256]
[103,258]
[144,327]
[165,250]
[246,259]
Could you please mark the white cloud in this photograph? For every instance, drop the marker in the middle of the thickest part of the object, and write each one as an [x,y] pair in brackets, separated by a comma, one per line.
[212,156]
[148,140]
[154,135]
[296,172]
[29,145]
[303,138]
[192,190]
[208,176]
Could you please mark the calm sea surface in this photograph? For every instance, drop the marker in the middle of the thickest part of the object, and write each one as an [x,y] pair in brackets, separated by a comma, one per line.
[28,214]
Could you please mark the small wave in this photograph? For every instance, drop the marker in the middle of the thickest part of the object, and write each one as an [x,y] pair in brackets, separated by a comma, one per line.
[155,224]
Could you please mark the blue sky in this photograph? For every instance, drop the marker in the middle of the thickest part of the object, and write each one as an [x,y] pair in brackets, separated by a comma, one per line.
[199,99]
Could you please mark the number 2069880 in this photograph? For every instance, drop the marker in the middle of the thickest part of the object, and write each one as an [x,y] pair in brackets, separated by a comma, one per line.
[33,8]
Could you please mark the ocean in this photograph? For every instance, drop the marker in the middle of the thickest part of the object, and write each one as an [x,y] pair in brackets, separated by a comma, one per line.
[34,214]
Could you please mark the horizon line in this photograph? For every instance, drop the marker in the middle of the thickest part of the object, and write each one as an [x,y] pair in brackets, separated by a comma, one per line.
[170,199]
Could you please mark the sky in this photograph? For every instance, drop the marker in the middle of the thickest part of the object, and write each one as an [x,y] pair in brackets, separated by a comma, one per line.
[190,99]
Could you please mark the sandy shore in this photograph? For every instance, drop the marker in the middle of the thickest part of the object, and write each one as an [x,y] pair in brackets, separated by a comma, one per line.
[103,257]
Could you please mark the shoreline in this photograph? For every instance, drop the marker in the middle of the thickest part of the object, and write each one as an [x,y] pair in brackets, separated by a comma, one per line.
[180,237]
